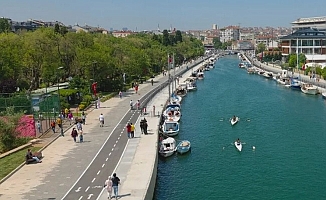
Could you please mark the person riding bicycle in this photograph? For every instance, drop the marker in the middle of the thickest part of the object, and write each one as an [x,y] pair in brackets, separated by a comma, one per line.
[101,119]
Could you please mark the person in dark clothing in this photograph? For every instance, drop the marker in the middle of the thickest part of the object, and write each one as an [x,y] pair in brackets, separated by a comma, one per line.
[74,134]
[115,185]
[141,124]
[145,126]
[152,81]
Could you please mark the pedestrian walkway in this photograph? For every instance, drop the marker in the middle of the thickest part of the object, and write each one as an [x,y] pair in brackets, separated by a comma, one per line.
[137,169]
[64,161]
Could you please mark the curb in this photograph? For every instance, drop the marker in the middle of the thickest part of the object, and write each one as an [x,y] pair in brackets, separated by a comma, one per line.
[21,165]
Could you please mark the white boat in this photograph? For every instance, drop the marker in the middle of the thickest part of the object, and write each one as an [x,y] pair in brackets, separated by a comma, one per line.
[170,127]
[309,89]
[183,147]
[182,90]
[234,121]
[238,145]
[167,147]
[323,95]
[191,86]
[172,112]
[175,99]
[268,74]
[200,75]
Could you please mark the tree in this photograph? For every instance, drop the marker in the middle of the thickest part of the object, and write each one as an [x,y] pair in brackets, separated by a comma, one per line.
[178,36]
[261,47]
[166,39]
[217,43]
[4,25]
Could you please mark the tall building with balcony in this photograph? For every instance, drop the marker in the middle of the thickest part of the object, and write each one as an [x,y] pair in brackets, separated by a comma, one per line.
[229,33]
[310,42]
[318,23]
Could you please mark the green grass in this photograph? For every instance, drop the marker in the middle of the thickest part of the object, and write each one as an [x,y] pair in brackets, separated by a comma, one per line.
[11,162]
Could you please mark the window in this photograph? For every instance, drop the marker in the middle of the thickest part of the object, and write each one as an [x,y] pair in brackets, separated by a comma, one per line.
[307,42]
[317,42]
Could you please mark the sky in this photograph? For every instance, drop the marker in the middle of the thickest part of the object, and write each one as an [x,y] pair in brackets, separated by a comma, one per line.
[151,14]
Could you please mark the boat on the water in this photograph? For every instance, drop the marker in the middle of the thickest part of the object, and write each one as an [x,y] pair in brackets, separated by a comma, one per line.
[183,147]
[295,83]
[309,89]
[167,147]
[323,95]
[172,112]
[200,75]
[234,120]
[182,90]
[170,127]
[238,145]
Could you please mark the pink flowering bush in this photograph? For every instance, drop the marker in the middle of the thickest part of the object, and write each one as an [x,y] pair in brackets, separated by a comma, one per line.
[26,127]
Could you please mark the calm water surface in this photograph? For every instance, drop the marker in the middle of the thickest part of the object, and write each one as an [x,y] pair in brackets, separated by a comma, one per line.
[287,128]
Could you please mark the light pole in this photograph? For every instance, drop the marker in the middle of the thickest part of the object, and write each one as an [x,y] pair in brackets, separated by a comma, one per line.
[59,106]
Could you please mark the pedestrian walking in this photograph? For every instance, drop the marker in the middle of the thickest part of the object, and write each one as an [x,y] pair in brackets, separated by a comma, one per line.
[81,137]
[152,81]
[70,117]
[128,127]
[138,104]
[108,186]
[74,134]
[101,119]
[145,126]
[39,126]
[120,94]
[115,185]
[53,126]
[141,125]
[136,88]
[79,126]
[131,103]
[132,132]
[83,116]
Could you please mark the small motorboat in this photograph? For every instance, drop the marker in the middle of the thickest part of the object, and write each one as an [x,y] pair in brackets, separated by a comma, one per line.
[167,147]
[238,145]
[183,147]
[170,127]
[309,89]
[234,120]
[323,95]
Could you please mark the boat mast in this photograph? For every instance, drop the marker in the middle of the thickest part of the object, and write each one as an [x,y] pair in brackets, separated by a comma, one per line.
[174,80]
[298,56]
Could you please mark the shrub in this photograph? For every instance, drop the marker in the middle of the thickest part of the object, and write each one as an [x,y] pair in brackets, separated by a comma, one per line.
[82,106]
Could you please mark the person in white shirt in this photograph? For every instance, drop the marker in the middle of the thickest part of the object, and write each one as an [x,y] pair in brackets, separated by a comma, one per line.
[101,119]
[131,104]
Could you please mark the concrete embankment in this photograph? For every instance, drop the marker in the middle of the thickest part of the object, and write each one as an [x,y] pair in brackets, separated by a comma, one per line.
[138,167]
[277,69]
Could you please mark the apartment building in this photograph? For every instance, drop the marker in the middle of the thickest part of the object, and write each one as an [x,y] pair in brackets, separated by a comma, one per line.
[229,33]
[318,23]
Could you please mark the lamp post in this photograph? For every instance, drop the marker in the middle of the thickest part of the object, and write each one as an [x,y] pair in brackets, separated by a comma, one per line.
[59,106]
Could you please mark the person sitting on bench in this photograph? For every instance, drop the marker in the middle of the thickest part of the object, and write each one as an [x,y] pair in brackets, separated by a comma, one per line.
[30,158]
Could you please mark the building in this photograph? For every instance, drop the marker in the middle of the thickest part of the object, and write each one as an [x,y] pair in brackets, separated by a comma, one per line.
[318,23]
[121,33]
[310,42]
[214,27]
[229,33]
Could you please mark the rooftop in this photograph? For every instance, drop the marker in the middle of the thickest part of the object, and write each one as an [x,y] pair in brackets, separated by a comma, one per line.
[306,33]
[309,20]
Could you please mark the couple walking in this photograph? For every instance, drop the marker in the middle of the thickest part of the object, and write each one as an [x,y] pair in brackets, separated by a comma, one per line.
[130,130]
[112,182]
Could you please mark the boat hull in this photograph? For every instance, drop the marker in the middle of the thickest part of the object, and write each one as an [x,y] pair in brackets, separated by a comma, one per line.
[238,146]
[183,147]
[233,122]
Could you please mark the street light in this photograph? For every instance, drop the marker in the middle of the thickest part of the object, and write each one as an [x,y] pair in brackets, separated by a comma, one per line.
[61,128]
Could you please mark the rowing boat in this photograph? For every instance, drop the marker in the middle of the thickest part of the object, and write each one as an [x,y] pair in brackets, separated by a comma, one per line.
[234,121]
[238,145]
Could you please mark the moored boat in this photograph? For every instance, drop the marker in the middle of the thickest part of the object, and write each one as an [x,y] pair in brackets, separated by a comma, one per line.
[309,89]
[170,127]
[200,75]
[167,147]
[183,147]
[172,112]
[295,83]
[323,95]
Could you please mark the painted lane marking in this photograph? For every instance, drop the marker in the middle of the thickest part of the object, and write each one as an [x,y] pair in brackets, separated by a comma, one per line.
[112,149]
[107,158]
[118,138]
[98,152]
[116,141]
[90,196]
[114,144]
[78,189]
[99,171]
[80,198]
[93,180]
[103,165]
[87,189]
[110,154]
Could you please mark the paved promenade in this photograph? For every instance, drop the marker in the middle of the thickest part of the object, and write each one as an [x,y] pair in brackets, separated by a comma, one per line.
[137,168]
[63,167]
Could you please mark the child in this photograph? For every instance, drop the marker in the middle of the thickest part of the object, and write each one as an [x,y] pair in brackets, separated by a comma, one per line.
[81,137]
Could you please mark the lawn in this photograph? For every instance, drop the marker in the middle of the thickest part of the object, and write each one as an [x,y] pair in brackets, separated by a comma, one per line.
[11,162]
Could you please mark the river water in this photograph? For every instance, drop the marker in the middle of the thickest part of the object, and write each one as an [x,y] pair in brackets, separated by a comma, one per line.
[286,127]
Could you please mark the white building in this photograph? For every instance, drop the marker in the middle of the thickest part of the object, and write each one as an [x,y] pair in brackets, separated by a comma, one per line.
[229,33]
[214,27]
[318,23]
